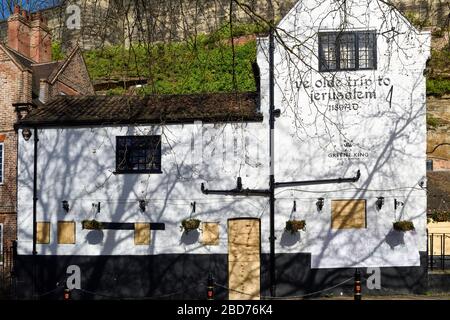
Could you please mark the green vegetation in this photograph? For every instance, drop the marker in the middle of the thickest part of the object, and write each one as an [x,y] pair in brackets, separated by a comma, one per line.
[438,87]
[57,53]
[416,19]
[440,215]
[432,122]
[403,226]
[293,226]
[92,224]
[190,224]
[204,64]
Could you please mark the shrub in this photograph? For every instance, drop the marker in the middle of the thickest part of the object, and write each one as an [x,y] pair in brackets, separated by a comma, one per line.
[438,87]
[178,68]
[190,224]
[440,215]
[432,122]
[403,226]
[293,226]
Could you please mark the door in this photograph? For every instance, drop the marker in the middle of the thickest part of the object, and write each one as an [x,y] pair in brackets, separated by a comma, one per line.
[244,250]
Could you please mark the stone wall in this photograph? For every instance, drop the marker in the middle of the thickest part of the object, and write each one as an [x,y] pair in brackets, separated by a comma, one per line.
[106,22]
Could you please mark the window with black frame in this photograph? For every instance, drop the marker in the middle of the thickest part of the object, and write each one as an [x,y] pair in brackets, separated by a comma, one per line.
[339,51]
[138,154]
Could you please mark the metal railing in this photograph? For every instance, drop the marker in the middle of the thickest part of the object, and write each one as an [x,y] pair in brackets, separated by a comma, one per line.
[438,251]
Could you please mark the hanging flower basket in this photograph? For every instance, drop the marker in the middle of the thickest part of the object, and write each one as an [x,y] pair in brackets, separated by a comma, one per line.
[190,224]
[92,224]
[293,226]
[403,226]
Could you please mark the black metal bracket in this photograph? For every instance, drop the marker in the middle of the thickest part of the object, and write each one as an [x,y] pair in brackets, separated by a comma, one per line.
[238,191]
[314,182]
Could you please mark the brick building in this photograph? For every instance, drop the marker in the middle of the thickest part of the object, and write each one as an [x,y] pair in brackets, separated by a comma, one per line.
[28,78]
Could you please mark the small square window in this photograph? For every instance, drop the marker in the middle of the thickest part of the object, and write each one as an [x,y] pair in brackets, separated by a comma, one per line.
[138,154]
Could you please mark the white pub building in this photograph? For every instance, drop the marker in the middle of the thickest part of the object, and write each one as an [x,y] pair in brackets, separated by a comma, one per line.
[108,181]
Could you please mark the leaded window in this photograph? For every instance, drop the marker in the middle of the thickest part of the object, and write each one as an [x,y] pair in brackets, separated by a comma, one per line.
[138,154]
[340,51]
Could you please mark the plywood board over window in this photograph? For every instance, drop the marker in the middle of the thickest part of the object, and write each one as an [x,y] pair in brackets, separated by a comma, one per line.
[43,232]
[210,233]
[66,232]
[142,233]
[348,214]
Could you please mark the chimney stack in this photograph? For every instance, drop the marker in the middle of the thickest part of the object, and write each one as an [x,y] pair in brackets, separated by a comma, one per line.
[29,35]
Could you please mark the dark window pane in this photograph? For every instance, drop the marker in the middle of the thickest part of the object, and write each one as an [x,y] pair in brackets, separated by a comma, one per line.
[366,44]
[328,52]
[347,49]
[138,154]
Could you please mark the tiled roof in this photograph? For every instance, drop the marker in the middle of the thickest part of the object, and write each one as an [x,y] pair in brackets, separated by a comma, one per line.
[103,110]
[21,59]
[43,71]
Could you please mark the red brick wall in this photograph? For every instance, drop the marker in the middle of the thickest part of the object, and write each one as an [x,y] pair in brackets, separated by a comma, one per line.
[15,86]
[9,222]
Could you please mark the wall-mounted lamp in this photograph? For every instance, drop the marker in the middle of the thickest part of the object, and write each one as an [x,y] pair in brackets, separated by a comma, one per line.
[397,204]
[193,206]
[379,203]
[142,205]
[96,206]
[26,134]
[65,205]
[319,204]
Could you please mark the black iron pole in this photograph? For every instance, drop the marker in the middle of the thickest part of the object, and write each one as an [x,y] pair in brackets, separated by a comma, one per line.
[272,159]
[36,139]
[314,182]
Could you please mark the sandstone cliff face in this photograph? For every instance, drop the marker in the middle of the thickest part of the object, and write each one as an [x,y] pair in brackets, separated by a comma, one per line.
[121,21]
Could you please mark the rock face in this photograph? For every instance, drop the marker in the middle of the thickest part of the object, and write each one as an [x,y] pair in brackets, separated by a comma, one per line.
[121,21]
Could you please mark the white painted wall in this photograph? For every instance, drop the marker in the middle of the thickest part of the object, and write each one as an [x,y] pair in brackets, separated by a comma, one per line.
[76,164]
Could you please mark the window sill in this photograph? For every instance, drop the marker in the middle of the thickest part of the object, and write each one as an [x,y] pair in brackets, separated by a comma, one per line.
[343,70]
[137,172]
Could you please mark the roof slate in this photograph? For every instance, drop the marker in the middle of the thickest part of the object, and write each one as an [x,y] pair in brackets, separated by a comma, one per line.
[105,110]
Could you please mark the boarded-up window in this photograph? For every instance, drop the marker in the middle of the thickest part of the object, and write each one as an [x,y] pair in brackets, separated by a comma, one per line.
[210,233]
[43,232]
[66,232]
[348,214]
[142,233]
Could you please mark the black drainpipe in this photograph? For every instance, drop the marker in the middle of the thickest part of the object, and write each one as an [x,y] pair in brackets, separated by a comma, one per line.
[36,139]
[271,164]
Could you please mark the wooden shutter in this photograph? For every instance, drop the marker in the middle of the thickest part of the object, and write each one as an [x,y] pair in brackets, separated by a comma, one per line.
[142,233]
[66,232]
[43,232]
[210,233]
[244,259]
[348,214]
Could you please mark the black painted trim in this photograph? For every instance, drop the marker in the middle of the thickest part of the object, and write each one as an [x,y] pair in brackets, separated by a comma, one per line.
[184,276]
[129,226]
